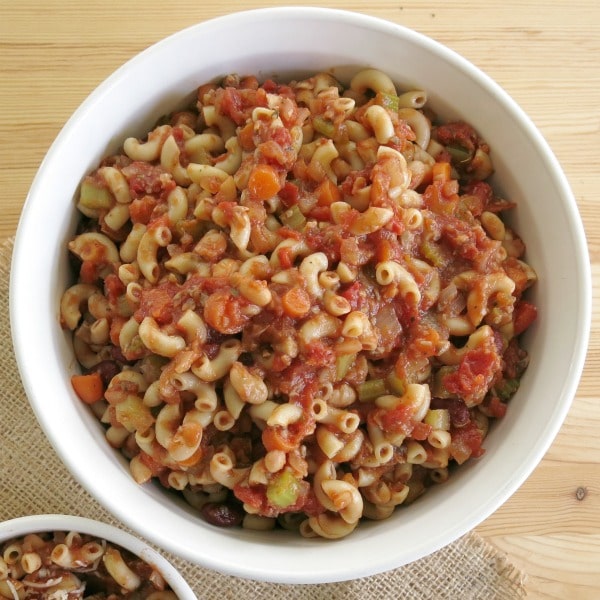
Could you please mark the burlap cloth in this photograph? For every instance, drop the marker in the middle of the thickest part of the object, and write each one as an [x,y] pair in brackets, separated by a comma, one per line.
[33,480]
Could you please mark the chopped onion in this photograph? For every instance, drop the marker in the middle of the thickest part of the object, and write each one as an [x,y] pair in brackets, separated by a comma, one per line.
[40,585]
[12,588]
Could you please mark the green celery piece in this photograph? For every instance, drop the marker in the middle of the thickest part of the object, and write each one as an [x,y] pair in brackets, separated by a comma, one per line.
[432,252]
[438,388]
[438,418]
[506,388]
[94,197]
[294,218]
[371,389]
[395,384]
[283,490]
[342,364]
[389,101]
[324,126]
[459,154]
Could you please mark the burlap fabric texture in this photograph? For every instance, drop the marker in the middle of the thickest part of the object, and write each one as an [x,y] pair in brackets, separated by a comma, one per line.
[33,480]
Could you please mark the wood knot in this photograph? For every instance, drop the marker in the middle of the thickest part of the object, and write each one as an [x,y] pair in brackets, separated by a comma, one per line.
[580,493]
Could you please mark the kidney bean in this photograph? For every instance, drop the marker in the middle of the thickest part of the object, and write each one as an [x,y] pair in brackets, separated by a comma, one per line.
[222,514]
[107,369]
[459,413]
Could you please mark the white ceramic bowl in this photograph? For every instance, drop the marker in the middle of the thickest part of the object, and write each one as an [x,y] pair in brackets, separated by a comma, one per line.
[21,526]
[288,41]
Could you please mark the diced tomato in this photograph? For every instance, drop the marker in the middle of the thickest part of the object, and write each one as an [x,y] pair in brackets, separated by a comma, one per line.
[157,302]
[395,420]
[116,324]
[270,86]
[457,132]
[515,360]
[327,239]
[474,375]
[352,293]
[286,232]
[256,496]
[421,431]
[286,257]
[114,288]
[318,353]
[140,209]
[496,407]
[89,271]
[524,315]
[482,190]
[466,442]
[440,199]
[289,194]
[320,213]
[231,105]
[252,495]
[147,179]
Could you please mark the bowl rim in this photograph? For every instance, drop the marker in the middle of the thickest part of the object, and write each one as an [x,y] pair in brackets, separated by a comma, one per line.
[249,568]
[20,526]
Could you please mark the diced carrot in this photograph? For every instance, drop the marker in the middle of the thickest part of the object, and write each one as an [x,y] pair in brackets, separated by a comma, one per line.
[246,137]
[442,171]
[89,388]
[224,312]
[296,302]
[384,251]
[273,438]
[327,193]
[193,459]
[264,182]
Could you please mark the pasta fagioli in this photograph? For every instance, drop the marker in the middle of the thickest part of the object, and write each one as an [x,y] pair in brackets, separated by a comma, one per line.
[309,303]
[68,564]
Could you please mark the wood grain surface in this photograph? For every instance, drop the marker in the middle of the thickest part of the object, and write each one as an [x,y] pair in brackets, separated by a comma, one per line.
[545,53]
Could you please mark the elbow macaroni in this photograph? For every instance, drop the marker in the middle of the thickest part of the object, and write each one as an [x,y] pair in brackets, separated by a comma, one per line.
[59,564]
[307,303]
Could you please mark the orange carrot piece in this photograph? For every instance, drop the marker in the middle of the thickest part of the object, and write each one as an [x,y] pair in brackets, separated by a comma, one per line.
[273,438]
[327,193]
[296,302]
[263,182]
[246,137]
[442,171]
[89,388]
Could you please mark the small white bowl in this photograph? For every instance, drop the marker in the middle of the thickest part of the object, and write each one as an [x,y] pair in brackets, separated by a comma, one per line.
[21,526]
[287,42]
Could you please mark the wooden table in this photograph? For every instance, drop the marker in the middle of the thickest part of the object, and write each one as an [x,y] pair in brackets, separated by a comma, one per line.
[545,54]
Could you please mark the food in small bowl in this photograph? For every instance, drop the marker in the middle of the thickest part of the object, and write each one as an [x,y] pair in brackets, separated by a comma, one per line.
[297,297]
[63,556]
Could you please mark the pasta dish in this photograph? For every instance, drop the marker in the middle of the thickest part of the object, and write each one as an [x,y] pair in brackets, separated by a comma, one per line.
[70,565]
[298,304]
